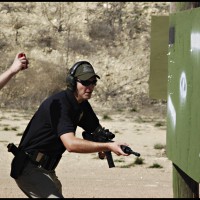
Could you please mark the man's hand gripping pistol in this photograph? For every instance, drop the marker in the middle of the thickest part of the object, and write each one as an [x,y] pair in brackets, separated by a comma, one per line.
[104,135]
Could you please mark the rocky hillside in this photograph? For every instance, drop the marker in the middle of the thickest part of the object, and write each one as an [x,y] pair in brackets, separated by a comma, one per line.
[113,36]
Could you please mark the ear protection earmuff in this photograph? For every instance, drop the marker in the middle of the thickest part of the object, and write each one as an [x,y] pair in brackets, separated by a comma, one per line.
[71,80]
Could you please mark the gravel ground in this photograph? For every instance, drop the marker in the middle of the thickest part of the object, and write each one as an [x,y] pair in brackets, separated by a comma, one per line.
[86,176]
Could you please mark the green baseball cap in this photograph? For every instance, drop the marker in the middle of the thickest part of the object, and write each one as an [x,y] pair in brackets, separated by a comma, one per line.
[85,71]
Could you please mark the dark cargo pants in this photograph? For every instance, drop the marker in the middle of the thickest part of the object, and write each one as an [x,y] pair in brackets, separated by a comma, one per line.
[36,182]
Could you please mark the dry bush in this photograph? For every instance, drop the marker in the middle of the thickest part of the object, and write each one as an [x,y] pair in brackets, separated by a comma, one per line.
[29,90]
[17,7]
[44,39]
[6,7]
[80,46]
[3,44]
[101,31]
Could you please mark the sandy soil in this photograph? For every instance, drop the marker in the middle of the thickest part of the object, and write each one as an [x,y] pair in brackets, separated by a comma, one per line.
[86,176]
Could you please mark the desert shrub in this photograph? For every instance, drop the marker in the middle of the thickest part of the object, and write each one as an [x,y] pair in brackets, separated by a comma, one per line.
[158,124]
[17,7]
[19,134]
[3,44]
[159,146]
[155,165]
[44,39]
[128,165]
[80,46]
[119,160]
[6,7]
[101,31]
[18,25]
[134,109]
[106,117]
[139,161]
[32,87]
[6,129]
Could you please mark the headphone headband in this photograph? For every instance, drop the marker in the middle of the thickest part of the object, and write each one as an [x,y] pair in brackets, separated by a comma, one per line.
[76,65]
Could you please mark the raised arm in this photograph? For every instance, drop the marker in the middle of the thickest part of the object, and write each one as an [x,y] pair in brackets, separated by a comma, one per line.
[19,63]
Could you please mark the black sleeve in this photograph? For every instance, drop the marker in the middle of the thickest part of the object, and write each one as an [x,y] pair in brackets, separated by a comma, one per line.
[89,121]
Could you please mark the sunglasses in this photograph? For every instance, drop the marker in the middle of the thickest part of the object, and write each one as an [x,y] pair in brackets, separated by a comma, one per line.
[87,82]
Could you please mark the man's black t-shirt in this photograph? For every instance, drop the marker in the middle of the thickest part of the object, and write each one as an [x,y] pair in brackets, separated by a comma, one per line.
[58,114]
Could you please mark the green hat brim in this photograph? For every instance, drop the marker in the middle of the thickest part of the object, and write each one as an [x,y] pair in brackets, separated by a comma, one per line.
[87,76]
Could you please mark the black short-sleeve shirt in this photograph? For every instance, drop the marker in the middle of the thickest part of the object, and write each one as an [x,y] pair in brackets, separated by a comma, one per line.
[57,115]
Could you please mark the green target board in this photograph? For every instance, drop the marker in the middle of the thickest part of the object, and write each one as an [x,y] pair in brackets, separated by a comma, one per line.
[158,57]
[183,97]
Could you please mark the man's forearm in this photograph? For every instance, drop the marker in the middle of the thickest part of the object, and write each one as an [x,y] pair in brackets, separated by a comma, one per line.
[78,145]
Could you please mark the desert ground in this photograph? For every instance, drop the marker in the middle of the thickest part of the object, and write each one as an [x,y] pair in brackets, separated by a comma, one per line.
[86,176]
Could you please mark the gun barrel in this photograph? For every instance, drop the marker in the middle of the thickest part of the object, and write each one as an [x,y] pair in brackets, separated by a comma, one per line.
[128,150]
[136,153]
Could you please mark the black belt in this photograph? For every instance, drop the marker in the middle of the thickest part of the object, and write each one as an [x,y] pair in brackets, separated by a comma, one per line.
[45,161]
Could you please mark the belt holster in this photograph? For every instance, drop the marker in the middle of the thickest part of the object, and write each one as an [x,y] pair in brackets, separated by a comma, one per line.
[19,161]
[45,161]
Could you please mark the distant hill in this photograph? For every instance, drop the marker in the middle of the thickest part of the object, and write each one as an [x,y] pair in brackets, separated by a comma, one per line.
[113,36]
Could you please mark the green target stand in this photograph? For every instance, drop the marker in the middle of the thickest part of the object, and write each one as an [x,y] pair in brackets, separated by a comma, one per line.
[158,57]
[183,105]
[183,101]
